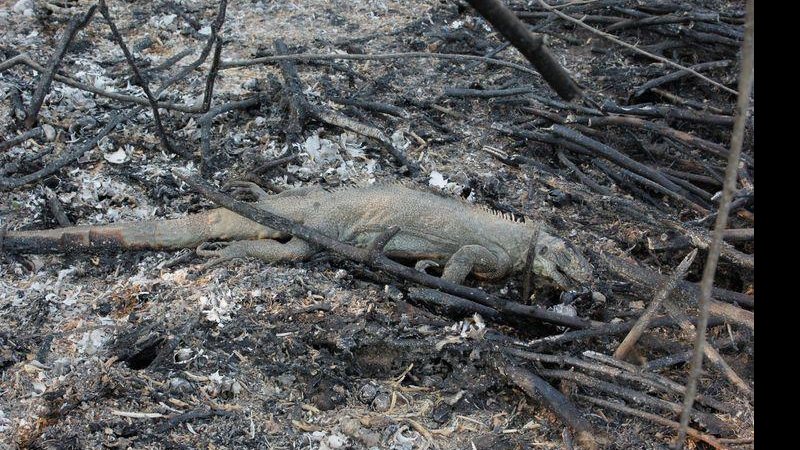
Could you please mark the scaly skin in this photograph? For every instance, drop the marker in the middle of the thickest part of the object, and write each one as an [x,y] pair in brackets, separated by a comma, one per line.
[433,229]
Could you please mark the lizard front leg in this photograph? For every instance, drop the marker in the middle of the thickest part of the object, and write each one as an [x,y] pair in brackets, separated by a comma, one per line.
[264,249]
[478,259]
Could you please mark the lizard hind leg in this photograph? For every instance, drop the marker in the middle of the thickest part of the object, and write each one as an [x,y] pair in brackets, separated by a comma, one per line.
[477,259]
[263,249]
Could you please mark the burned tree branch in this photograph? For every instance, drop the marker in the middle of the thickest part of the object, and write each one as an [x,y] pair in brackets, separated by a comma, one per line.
[530,45]
[541,390]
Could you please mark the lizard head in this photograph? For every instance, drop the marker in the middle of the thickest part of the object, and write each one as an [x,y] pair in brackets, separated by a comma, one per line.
[560,261]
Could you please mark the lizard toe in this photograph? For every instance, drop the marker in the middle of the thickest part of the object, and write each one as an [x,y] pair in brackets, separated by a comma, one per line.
[209,248]
[423,264]
[219,252]
[239,188]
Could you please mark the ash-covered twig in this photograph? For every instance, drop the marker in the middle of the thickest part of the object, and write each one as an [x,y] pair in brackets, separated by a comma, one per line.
[20,138]
[708,420]
[611,368]
[7,183]
[662,294]
[631,177]
[454,306]
[276,162]
[610,329]
[212,73]
[664,130]
[616,157]
[585,179]
[233,63]
[715,247]
[739,234]
[655,418]
[674,76]
[682,357]
[56,208]
[667,112]
[379,107]
[710,352]
[664,20]
[176,420]
[640,213]
[162,134]
[541,390]
[608,107]
[636,49]
[75,25]
[648,281]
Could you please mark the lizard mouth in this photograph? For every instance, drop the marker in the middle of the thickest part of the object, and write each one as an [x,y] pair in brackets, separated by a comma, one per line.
[565,281]
[558,278]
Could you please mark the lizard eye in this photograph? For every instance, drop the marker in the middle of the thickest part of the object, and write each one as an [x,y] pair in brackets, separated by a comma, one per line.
[543,250]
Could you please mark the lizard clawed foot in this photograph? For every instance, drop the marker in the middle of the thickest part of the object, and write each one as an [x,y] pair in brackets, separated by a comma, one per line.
[239,187]
[219,252]
[423,264]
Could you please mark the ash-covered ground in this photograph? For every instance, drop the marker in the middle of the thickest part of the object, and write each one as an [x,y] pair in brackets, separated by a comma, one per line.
[151,350]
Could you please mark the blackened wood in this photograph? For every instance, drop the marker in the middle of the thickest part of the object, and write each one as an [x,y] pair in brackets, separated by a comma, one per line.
[530,45]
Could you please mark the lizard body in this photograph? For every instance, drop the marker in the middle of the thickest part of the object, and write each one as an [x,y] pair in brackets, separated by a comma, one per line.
[433,229]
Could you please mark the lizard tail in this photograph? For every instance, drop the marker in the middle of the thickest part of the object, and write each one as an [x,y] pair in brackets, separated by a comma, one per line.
[186,232]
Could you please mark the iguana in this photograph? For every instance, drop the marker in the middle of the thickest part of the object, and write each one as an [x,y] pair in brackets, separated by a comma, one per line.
[434,230]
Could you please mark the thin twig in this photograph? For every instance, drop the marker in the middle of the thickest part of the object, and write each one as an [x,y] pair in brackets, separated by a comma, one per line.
[707,438]
[710,352]
[617,157]
[75,25]
[454,306]
[32,133]
[593,185]
[55,207]
[633,395]
[527,281]
[626,372]
[229,64]
[162,134]
[655,82]
[212,74]
[610,329]
[636,49]
[729,185]
[663,293]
